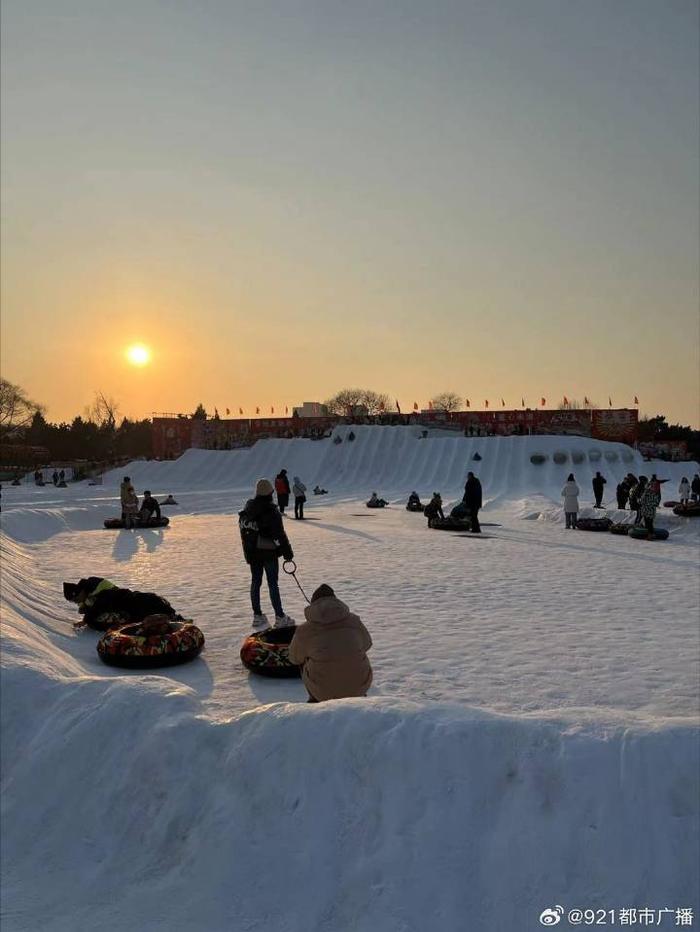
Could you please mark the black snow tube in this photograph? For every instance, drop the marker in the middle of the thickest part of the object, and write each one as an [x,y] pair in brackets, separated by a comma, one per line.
[115,524]
[267,652]
[688,511]
[672,504]
[129,647]
[620,528]
[450,524]
[593,524]
[412,507]
[560,457]
[538,458]
[641,533]
[380,504]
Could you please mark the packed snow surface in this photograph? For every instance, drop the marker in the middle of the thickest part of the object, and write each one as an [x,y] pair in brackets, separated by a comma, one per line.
[531,738]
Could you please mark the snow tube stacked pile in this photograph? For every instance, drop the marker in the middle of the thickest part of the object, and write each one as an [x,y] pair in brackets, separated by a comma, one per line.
[688,511]
[641,533]
[593,524]
[113,524]
[131,647]
[267,652]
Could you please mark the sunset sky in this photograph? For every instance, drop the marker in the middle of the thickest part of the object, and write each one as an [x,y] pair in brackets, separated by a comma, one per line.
[280,199]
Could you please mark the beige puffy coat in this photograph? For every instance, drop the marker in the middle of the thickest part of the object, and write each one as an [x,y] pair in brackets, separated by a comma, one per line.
[332,646]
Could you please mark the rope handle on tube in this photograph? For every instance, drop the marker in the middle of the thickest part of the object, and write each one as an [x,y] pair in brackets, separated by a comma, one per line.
[293,573]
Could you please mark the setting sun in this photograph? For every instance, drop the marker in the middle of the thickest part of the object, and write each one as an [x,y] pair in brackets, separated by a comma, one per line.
[138,355]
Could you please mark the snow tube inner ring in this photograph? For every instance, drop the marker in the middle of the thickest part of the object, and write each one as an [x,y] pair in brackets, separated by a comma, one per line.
[593,524]
[267,652]
[128,647]
[641,533]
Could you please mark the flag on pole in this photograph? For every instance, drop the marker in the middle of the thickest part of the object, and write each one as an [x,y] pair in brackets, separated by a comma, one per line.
[636,400]
[397,406]
[286,409]
[486,403]
[609,401]
[544,401]
[272,410]
[257,410]
[240,410]
[586,401]
[430,406]
[566,401]
[228,411]
[503,404]
[415,405]
[522,402]
[467,400]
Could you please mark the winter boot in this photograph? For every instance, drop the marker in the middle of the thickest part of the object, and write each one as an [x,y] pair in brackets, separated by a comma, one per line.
[283,621]
[260,622]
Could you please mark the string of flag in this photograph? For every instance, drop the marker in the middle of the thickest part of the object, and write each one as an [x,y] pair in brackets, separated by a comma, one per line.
[566,403]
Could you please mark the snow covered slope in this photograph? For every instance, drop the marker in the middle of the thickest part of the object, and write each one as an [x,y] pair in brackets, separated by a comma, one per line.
[395,460]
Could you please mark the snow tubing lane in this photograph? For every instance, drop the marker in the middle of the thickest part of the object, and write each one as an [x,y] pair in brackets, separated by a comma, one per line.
[620,528]
[689,511]
[267,652]
[641,533]
[115,524]
[450,524]
[127,647]
[593,524]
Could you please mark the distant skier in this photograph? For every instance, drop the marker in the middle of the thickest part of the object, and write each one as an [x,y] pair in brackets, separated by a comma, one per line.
[264,541]
[149,508]
[695,488]
[622,493]
[299,490]
[684,491]
[282,489]
[598,487]
[472,499]
[331,648]
[433,509]
[570,494]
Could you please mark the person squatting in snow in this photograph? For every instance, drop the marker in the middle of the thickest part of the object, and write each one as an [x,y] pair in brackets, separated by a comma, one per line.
[570,494]
[433,509]
[331,648]
[264,541]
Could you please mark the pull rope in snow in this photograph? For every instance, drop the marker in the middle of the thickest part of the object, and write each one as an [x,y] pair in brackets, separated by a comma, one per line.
[293,574]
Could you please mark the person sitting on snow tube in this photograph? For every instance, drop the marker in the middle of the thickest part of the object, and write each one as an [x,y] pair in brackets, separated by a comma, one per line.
[433,509]
[414,503]
[169,500]
[157,641]
[104,605]
[376,502]
[331,648]
[460,512]
[150,509]
[319,491]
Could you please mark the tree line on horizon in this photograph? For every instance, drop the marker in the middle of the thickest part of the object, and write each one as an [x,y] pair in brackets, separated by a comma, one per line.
[99,435]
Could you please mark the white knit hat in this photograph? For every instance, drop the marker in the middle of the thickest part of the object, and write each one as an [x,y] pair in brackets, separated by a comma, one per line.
[263,487]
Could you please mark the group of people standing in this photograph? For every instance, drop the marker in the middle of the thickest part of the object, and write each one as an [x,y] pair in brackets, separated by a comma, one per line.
[643,495]
[283,490]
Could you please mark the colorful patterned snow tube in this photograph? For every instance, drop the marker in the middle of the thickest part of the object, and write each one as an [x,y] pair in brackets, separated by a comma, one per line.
[267,652]
[114,524]
[130,647]
[620,528]
[641,533]
[593,524]
[688,511]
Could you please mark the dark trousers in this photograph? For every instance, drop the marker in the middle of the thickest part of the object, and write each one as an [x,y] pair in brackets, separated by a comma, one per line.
[649,525]
[299,506]
[570,519]
[271,569]
[474,517]
[282,500]
[598,498]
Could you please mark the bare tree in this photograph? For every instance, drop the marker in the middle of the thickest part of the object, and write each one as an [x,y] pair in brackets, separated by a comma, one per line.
[447,401]
[16,410]
[103,411]
[351,400]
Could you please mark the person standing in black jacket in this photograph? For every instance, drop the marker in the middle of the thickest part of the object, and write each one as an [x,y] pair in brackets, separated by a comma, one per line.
[264,542]
[472,499]
[598,486]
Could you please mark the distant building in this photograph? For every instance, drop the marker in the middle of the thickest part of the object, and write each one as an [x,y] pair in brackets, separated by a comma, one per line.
[311,409]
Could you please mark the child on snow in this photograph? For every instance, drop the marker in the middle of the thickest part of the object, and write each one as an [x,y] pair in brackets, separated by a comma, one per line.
[331,647]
